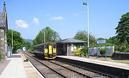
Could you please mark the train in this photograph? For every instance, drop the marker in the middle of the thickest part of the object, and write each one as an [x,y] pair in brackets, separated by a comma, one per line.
[45,50]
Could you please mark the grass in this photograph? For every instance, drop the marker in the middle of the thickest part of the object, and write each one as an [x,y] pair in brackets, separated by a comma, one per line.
[110,59]
[121,61]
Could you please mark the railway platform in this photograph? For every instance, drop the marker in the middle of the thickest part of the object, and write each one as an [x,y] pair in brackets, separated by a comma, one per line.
[113,68]
[17,68]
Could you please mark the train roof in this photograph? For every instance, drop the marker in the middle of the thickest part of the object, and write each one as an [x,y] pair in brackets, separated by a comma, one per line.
[43,44]
[64,41]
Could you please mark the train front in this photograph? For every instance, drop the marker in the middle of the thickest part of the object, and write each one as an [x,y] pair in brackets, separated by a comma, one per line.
[50,51]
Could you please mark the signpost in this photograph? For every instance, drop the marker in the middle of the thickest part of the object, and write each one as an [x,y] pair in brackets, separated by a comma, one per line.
[102,41]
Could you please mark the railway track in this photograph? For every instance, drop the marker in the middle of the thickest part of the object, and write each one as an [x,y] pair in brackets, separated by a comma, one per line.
[44,71]
[84,71]
[56,69]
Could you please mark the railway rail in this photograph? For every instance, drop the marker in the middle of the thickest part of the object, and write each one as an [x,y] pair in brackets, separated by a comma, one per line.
[84,71]
[56,69]
[44,71]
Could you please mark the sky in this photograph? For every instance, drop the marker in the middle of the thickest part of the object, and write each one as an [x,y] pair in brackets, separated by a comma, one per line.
[66,17]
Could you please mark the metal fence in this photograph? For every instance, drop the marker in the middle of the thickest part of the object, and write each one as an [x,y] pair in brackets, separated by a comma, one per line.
[96,51]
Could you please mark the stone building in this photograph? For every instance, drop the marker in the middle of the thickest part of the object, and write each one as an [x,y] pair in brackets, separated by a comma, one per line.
[67,46]
[3,30]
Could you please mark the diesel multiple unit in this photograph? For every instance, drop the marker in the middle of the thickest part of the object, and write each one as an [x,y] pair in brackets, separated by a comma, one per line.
[45,50]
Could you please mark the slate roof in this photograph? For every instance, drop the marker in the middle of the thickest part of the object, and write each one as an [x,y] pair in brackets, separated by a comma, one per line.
[71,40]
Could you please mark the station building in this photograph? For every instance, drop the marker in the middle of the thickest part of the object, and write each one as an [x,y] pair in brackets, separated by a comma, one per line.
[67,46]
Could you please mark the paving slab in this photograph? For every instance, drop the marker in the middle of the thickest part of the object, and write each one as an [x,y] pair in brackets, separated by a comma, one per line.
[3,65]
[30,70]
[15,68]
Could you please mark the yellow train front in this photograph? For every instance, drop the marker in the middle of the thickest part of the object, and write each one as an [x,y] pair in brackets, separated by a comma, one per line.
[50,51]
[45,50]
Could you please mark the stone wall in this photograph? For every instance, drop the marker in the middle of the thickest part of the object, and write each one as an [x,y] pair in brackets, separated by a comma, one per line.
[120,56]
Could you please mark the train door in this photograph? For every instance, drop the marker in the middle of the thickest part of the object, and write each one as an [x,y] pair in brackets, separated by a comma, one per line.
[46,51]
[50,50]
[54,50]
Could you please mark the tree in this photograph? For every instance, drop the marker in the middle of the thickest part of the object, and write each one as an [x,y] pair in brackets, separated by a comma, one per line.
[122,30]
[17,40]
[27,44]
[83,35]
[112,40]
[49,34]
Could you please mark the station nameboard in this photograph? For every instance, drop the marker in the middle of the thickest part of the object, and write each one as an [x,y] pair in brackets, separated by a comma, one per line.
[101,41]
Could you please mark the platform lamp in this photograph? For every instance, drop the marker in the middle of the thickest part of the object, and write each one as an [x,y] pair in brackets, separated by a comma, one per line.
[12,41]
[44,36]
[88,22]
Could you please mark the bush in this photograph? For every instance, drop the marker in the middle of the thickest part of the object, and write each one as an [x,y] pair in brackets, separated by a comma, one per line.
[31,49]
[77,52]
[84,51]
[0,55]
[122,47]
[102,51]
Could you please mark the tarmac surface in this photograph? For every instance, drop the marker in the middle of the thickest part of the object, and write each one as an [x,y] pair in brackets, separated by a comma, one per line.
[3,65]
[15,68]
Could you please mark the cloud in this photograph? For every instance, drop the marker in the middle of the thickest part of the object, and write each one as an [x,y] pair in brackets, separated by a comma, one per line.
[36,21]
[57,18]
[21,24]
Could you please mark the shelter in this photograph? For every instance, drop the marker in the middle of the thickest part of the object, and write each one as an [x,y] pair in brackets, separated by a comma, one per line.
[66,46]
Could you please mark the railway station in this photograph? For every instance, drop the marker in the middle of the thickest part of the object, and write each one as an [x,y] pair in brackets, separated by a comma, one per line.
[67,46]
[50,56]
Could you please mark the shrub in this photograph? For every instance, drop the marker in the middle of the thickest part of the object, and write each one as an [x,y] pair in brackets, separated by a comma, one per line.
[102,51]
[0,55]
[122,47]
[84,51]
[77,52]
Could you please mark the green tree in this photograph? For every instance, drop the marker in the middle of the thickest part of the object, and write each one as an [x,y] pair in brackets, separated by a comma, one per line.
[27,44]
[122,47]
[83,35]
[17,40]
[122,30]
[49,34]
[113,40]
[84,51]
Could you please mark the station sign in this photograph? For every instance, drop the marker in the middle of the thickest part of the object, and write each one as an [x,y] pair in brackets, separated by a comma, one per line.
[101,41]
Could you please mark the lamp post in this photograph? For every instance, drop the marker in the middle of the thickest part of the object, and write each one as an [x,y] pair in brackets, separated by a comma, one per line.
[44,36]
[88,24]
[12,41]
